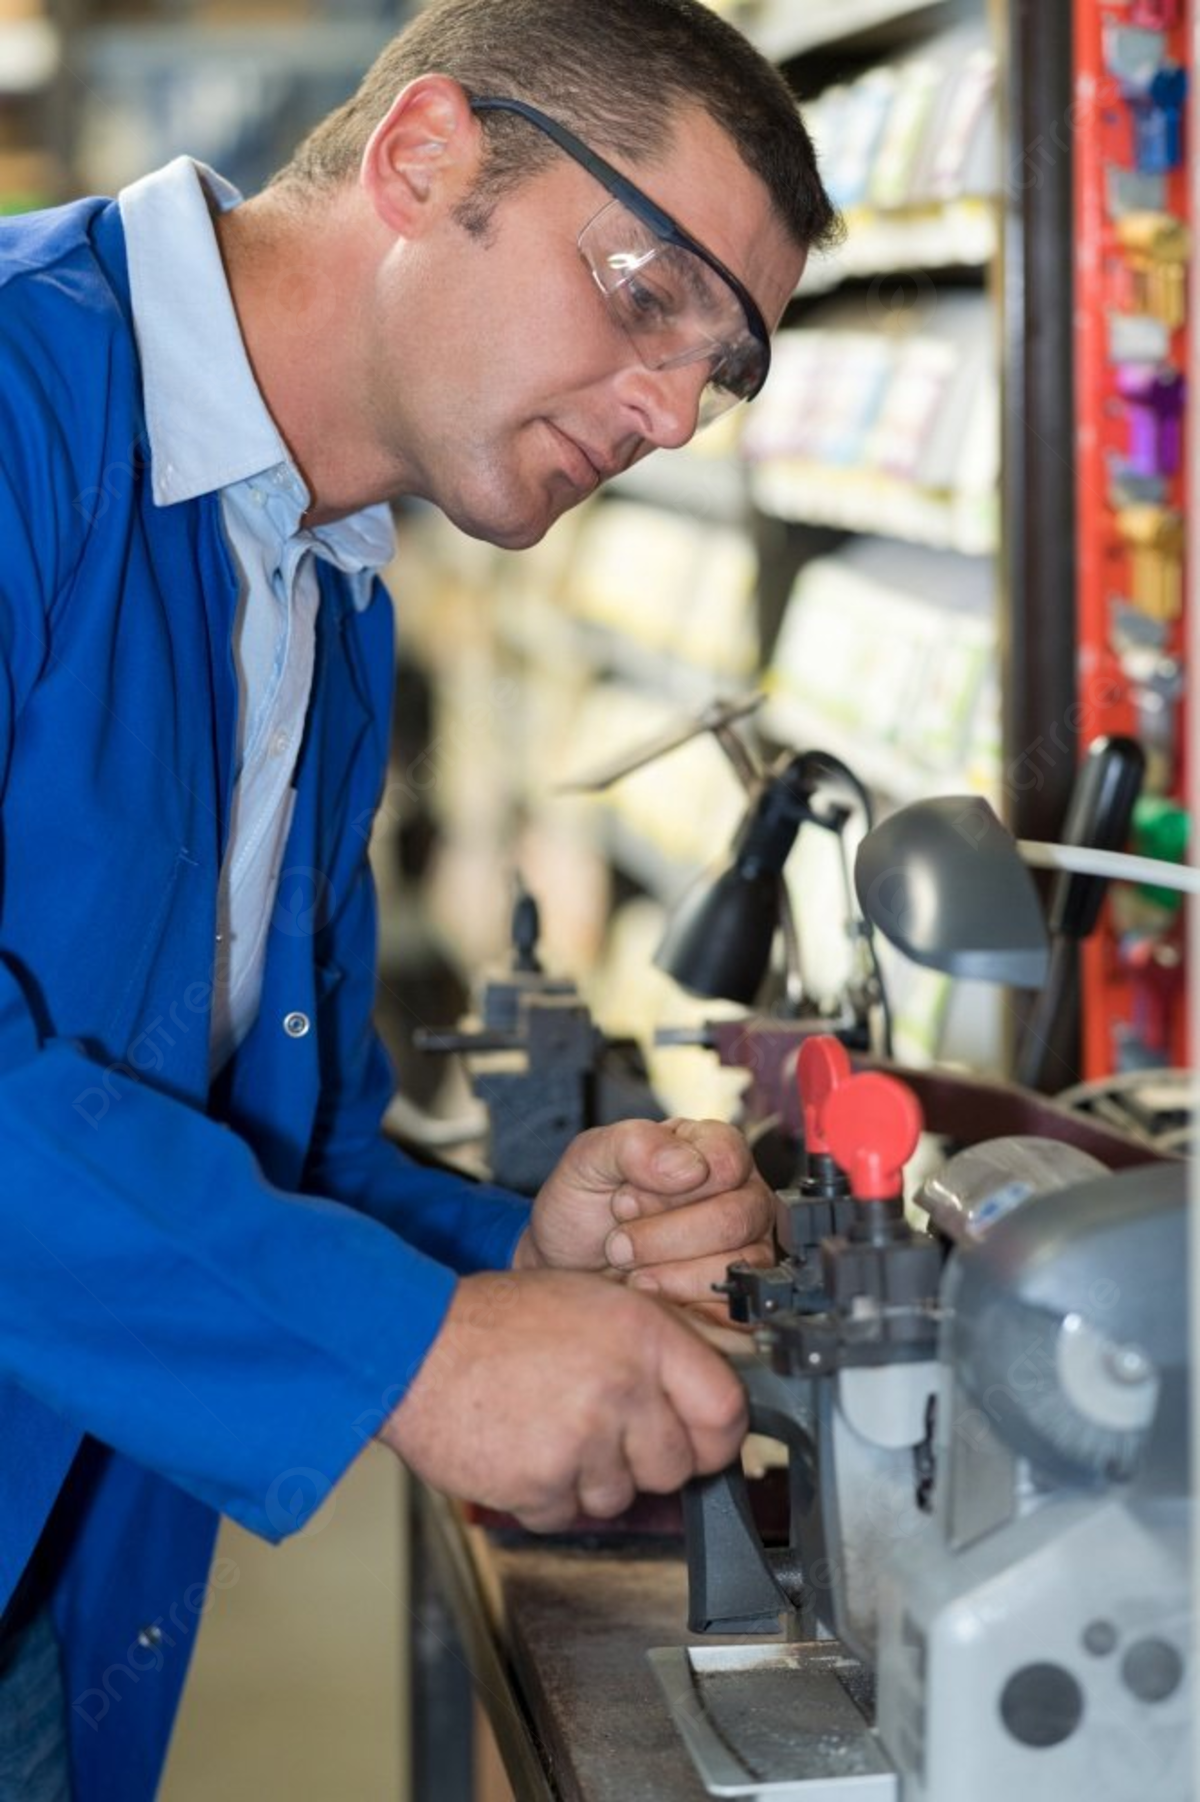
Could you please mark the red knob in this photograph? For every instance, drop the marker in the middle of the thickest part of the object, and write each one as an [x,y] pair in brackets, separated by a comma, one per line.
[872,1124]
[822,1067]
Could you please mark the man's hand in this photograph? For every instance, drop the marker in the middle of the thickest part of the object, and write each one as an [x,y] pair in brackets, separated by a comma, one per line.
[667,1205]
[548,1395]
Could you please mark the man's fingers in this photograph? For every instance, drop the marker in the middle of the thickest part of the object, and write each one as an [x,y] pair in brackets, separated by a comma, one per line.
[635,1171]
[649,1154]
[705,1394]
[550,1516]
[723,1334]
[636,1398]
[691,1282]
[660,1159]
[723,1223]
[653,1455]
[607,1488]
[659,1450]
[657,1177]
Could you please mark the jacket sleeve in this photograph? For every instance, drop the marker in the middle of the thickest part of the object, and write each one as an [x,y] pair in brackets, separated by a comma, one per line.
[155,1291]
[470,1226]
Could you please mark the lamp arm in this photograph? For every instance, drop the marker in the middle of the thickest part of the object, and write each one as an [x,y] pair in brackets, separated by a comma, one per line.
[738,753]
[793,962]
[1117,866]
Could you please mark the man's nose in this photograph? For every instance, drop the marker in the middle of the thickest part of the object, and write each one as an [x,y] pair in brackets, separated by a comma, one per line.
[666,401]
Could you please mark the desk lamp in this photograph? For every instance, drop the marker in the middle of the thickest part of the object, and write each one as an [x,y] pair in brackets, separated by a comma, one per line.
[718,941]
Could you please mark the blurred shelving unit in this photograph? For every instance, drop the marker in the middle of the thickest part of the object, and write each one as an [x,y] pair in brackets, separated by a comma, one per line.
[31,54]
[883,422]
[236,86]
[876,459]
[95,92]
[900,472]
[990,192]
[863,543]
[784,30]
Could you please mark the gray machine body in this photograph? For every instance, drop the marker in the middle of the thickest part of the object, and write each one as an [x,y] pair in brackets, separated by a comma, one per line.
[1048,1662]
[1025,1626]
[1034,1637]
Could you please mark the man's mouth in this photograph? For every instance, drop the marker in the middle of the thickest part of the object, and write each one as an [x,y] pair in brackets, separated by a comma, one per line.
[586,467]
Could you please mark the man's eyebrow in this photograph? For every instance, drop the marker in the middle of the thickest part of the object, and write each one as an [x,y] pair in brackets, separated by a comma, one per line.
[696,275]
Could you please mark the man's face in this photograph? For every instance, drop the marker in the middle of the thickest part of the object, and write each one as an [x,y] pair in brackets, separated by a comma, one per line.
[506,386]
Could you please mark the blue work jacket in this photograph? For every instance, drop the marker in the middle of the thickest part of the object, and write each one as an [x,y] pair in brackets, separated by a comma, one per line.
[206,1302]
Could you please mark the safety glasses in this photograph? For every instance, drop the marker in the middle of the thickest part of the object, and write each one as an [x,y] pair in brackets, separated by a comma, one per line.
[674,300]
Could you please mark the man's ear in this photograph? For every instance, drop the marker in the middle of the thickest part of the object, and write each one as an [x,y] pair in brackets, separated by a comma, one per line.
[423,155]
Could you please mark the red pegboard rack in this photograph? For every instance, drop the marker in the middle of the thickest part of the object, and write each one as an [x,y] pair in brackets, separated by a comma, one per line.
[1132,68]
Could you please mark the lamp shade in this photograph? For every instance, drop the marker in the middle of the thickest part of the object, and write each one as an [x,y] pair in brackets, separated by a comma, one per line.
[945,884]
[718,941]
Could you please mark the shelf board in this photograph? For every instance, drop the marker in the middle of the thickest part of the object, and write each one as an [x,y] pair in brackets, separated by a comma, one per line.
[811,494]
[714,488]
[953,234]
[782,30]
[691,685]
[545,634]
[885,769]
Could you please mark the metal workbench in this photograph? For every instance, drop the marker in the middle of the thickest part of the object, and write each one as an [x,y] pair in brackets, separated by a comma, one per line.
[551,1636]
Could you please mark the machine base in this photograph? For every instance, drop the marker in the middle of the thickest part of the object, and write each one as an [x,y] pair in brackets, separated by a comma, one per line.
[783,1722]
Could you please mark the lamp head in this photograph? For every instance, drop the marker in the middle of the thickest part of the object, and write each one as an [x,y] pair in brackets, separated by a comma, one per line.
[945,884]
[718,941]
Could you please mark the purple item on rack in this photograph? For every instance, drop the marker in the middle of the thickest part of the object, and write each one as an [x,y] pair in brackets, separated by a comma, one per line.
[1154,401]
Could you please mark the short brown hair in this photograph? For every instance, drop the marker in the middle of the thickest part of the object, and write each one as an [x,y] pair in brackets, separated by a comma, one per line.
[617,72]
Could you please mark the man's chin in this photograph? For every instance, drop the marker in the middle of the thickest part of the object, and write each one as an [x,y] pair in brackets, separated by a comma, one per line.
[518,529]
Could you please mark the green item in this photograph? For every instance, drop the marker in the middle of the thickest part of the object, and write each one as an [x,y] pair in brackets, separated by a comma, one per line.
[1161,829]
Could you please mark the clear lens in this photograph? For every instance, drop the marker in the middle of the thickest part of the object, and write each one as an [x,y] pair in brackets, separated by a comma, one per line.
[674,308]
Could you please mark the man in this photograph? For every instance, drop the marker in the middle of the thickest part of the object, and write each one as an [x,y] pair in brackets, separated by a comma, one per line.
[545,238]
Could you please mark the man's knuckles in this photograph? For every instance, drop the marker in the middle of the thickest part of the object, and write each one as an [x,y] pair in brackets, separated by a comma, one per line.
[725,1152]
[726,1413]
[723,1223]
[664,1463]
[607,1496]
[745,1216]
[717,1441]
[548,1517]
[586,1380]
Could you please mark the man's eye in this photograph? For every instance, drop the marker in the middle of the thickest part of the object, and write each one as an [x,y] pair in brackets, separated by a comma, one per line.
[730,366]
[646,305]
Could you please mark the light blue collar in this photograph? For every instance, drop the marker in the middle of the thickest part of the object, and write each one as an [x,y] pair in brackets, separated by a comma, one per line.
[208,424]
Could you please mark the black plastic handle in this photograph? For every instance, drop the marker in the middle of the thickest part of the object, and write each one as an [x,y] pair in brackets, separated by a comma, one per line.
[736,1584]
[1098,817]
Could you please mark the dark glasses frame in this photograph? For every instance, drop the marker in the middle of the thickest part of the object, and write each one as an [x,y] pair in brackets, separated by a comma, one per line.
[641,206]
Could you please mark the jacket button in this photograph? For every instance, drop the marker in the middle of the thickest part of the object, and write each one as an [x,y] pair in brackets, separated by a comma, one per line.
[150,1636]
[296,1025]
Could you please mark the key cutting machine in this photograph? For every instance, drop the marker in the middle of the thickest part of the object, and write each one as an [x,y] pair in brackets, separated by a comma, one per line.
[985,1589]
[985,1586]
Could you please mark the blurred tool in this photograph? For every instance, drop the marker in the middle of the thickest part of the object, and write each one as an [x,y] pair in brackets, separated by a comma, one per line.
[540,1065]
[1098,817]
